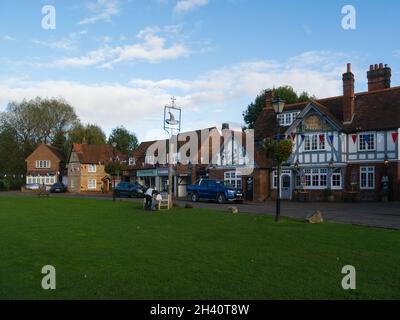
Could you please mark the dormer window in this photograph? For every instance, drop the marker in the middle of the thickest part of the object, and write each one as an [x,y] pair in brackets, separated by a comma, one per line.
[132,161]
[287,118]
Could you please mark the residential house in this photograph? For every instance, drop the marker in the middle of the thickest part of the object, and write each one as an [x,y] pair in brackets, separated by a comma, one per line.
[45,165]
[342,145]
[87,167]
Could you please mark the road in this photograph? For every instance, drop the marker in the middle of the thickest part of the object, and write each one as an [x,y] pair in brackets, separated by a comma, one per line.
[373,214]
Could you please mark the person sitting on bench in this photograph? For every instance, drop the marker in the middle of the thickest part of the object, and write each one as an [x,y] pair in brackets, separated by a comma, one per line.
[157,198]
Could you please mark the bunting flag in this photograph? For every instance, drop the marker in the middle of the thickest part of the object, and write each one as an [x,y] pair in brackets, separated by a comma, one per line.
[354,137]
[395,136]
[366,138]
[322,138]
[331,137]
[303,136]
[293,136]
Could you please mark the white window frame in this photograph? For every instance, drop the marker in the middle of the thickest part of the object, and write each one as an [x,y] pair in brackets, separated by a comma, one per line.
[132,161]
[234,178]
[337,173]
[316,179]
[367,171]
[92,168]
[90,186]
[312,142]
[362,145]
[43,164]
[287,118]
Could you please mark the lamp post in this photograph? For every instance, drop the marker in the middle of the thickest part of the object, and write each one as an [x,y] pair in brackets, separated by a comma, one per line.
[278,105]
[114,145]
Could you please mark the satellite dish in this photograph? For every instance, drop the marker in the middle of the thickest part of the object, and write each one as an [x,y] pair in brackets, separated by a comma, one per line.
[171,121]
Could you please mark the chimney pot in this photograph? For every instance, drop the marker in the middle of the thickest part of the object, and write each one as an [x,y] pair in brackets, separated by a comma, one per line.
[371,67]
[225,126]
[379,78]
[349,67]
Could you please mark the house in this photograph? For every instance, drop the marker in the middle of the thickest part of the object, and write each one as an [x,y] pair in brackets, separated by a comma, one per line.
[148,164]
[342,145]
[87,167]
[45,165]
[206,153]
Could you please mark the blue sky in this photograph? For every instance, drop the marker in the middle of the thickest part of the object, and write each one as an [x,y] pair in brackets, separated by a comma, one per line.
[118,61]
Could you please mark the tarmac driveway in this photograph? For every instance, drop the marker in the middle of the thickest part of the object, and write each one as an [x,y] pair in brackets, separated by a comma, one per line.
[374,214]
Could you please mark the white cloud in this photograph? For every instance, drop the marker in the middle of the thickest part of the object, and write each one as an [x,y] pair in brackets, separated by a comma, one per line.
[8,38]
[183,6]
[213,97]
[151,47]
[102,10]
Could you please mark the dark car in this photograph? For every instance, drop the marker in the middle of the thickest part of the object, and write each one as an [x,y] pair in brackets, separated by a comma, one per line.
[215,190]
[129,189]
[58,187]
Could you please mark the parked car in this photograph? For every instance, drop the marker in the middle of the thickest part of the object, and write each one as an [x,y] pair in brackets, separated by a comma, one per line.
[214,190]
[32,186]
[58,187]
[129,189]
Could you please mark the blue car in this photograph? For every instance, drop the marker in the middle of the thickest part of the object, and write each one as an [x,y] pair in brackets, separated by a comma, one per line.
[130,190]
[215,190]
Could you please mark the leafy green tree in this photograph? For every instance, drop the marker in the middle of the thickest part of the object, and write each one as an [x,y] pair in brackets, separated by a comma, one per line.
[39,120]
[126,141]
[12,153]
[278,150]
[285,92]
[89,133]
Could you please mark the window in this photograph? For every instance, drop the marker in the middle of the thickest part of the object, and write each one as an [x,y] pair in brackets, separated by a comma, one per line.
[149,160]
[234,179]
[286,119]
[92,184]
[314,142]
[366,142]
[315,178]
[367,177]
[43,164]
[336,179]
[132,161]
[92,168]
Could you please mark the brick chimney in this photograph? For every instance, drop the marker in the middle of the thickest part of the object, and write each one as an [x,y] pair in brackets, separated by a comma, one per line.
[348,95]
[269,97]
[379,77]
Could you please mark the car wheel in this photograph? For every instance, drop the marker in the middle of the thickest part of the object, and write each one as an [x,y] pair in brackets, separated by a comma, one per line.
[221,198]
[195,197]
[117,194]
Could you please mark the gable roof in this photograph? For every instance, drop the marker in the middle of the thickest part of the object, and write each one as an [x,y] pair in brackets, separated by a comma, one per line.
[57,152]
[93,154]
[376,110]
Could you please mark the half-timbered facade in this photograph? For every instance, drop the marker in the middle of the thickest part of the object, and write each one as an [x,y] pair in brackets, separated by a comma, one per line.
[345,146]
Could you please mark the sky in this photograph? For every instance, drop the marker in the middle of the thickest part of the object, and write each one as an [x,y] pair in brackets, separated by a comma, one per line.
[118,62]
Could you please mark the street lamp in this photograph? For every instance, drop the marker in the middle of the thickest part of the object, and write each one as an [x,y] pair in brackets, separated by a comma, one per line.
[278,104]
[114,145]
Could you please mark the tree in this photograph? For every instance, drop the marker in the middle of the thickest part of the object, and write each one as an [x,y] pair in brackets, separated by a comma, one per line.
[126,141]
[39,120]
[12,155]
[278,150]
[285,92]
[89,133]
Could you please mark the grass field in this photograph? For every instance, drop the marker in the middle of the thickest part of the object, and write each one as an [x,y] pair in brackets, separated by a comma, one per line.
[105,250]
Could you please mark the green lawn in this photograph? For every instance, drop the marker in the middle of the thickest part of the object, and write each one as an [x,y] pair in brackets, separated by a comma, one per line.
[105,250]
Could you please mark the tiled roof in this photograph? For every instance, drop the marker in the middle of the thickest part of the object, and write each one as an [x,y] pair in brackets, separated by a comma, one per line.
[376,110]
[92,154]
